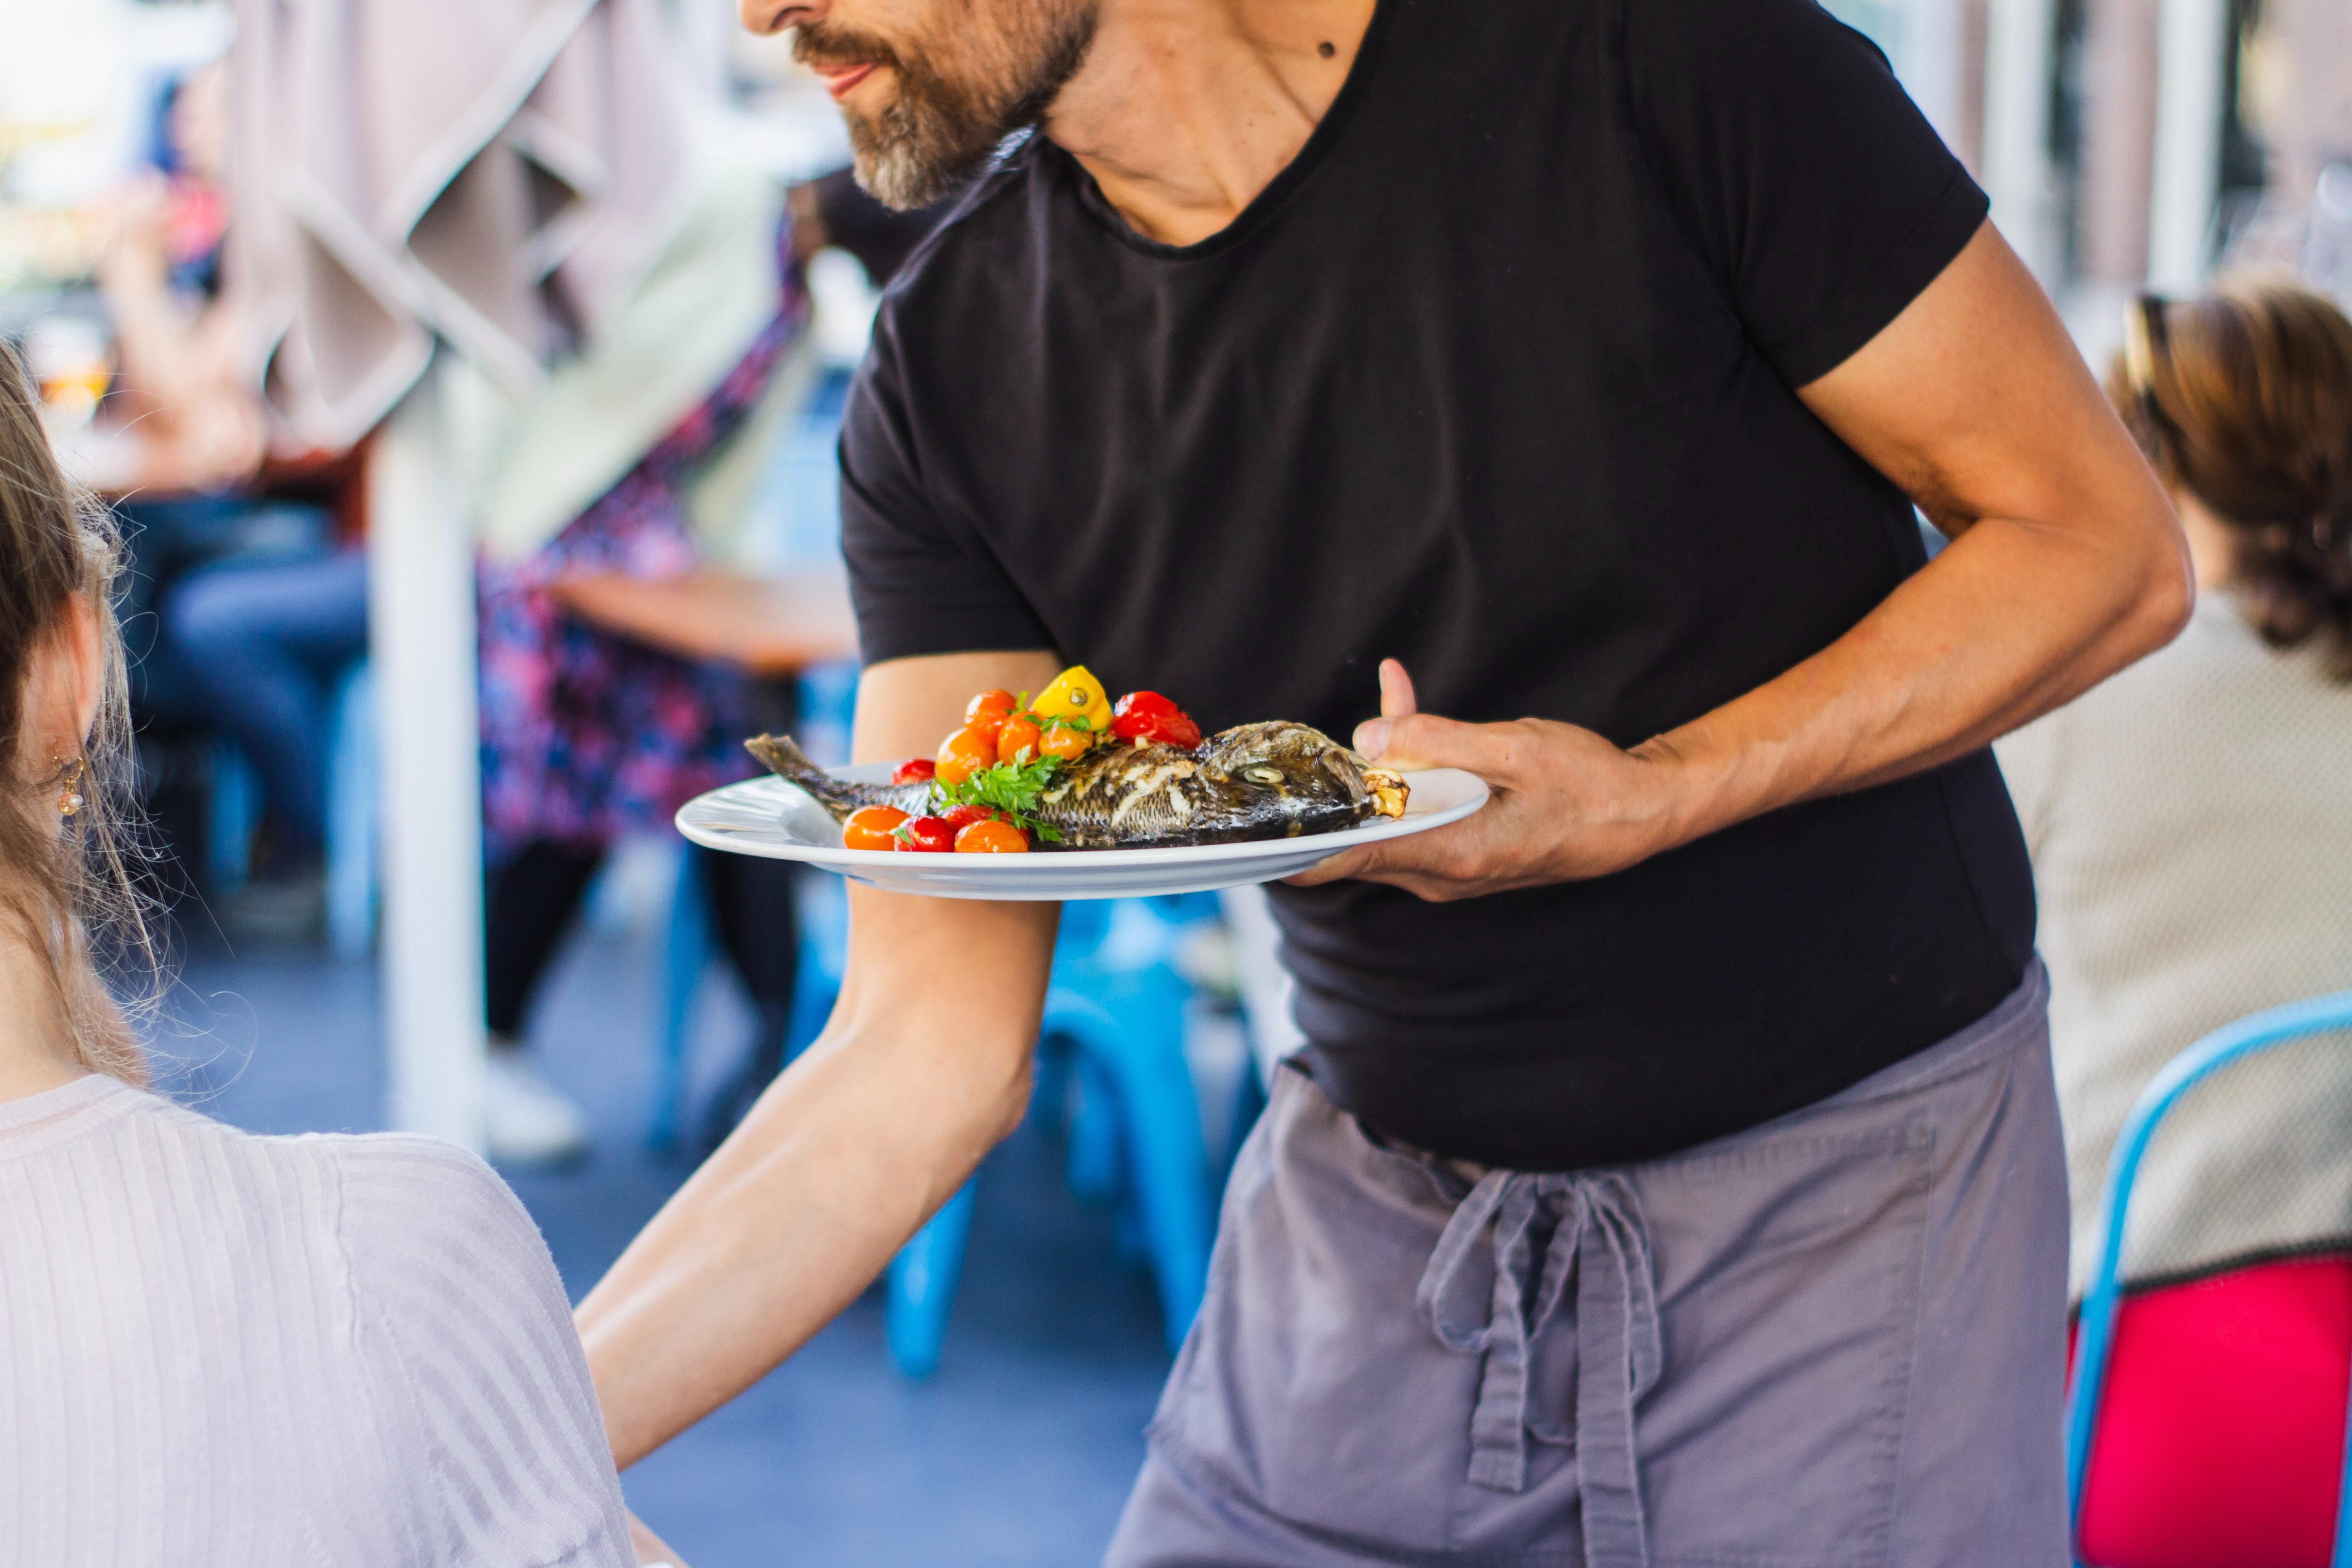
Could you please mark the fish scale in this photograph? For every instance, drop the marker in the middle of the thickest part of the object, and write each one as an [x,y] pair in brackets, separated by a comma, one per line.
[1276,780]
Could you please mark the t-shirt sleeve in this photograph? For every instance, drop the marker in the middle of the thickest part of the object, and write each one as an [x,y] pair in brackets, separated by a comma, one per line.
[481,1386]
[920,584]
[1811,187]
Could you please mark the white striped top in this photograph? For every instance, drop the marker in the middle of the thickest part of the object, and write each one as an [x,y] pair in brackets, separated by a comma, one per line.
[216,1348]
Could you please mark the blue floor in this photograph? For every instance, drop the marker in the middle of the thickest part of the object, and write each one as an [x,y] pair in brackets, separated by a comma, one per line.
[1018,1452]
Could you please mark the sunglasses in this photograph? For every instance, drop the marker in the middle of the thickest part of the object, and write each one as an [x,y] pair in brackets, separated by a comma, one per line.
[2148,345]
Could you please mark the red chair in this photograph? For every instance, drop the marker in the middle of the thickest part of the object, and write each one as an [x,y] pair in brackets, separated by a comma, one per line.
[2207,1421]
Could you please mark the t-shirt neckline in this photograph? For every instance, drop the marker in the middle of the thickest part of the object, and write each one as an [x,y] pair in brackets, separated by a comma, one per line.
[1277,190]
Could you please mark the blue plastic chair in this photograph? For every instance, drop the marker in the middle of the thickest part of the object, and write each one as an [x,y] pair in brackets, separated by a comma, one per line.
[234,811]
[351,821]
[827,694]
[1118,1005]
[2104,1297]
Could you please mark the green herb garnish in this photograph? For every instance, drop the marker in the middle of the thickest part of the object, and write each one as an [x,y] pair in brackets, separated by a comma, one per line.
[1011,789]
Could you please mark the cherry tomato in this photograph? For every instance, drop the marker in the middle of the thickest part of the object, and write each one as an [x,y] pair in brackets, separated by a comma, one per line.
[1020,734]
[927,835]
[1066,743]
[1145,716]
[988,702]
[964,753]
[991,838]
[870,827]
[915,770]
[964,816]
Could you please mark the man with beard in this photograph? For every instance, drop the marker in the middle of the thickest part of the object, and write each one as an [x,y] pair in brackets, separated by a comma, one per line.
[1672,1173]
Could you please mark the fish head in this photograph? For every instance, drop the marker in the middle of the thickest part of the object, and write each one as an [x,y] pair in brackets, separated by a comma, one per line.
[1282,762]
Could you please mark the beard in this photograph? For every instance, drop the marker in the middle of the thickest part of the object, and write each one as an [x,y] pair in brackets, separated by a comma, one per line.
[958,100]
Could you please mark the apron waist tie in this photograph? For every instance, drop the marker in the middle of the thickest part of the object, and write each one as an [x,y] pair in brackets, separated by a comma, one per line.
[1601,1241]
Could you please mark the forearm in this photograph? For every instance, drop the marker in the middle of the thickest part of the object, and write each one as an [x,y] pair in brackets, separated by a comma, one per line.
[841,1161]
[2009,622]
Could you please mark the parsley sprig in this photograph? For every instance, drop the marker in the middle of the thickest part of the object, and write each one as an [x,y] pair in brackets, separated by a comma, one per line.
[1011,789]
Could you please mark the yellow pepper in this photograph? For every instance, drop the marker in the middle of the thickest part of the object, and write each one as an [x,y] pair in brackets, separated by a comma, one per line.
[1076,694]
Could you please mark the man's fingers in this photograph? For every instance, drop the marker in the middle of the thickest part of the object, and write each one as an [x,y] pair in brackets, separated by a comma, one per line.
[1396,691]
[1396,701]
[1428,741]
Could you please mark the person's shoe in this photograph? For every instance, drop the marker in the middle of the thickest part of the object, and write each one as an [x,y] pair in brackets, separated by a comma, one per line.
[527,1120]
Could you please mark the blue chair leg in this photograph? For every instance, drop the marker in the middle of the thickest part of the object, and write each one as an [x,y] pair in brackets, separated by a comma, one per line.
[685,948]
[921,1285]
[351,817]
[234,810]
[1140,1048]
[1094,1163]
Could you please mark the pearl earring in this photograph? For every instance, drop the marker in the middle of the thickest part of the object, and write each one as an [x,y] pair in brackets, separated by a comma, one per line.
[69,797]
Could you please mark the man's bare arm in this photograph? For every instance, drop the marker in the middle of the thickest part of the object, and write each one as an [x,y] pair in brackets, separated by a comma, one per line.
[922,1068]
[2067,565]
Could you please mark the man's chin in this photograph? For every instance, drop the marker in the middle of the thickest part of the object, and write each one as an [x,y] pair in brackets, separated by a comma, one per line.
[902,177]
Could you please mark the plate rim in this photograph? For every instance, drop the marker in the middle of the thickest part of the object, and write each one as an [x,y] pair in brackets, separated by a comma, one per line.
[1201,855]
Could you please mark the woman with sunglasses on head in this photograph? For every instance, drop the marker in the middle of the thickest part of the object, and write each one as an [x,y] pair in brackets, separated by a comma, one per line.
[2190,821]
[216,1348]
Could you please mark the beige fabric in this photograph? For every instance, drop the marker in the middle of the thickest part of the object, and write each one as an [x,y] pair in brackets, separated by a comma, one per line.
[535,462]
[2191,828]
[497,172]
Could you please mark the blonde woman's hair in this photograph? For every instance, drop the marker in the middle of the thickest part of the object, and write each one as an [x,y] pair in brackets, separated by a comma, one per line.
[67,895]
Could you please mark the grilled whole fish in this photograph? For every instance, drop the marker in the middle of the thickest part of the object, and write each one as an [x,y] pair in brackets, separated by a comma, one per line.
[1276,780]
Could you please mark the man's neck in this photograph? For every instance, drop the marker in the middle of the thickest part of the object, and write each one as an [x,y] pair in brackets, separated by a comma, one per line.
[1186,109]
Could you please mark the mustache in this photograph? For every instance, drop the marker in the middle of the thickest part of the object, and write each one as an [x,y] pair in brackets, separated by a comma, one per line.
[818,43]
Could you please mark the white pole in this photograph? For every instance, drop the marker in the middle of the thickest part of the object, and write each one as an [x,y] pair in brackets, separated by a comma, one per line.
[421,629]
[1930,60]
[2016,165]
[2192,40]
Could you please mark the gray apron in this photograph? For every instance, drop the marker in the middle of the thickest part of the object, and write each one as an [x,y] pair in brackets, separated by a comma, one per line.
[1836,1340]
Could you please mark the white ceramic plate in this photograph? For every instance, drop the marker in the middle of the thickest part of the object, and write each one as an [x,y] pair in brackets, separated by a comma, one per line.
[768,816]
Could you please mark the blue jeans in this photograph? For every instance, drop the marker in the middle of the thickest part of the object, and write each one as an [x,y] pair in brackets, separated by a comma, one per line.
[262,643]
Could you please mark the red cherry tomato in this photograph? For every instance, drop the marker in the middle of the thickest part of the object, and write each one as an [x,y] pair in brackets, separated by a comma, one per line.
[1145,716]
[925,834]
[870,828]
[1020,734]
[991,838]
[915,770]
[964,753]
[964,816]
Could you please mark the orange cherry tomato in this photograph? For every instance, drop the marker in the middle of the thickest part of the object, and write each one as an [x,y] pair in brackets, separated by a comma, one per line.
[964,753]
[1020,734]
[927,835]
[988,702]
[1067,743]
[871,827]
[991,838]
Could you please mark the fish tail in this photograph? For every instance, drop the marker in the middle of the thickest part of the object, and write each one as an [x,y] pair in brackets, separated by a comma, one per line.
[783,757]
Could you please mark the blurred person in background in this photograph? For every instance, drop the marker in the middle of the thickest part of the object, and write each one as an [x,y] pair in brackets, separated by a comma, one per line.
[590,732]
[225,1348]
[257,600]
[2190,821]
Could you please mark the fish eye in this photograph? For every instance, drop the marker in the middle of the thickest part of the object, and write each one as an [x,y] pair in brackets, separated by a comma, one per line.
[1264,775]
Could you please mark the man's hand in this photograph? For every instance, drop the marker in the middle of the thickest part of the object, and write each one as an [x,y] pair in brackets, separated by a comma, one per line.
[2066,564]
[1566,805]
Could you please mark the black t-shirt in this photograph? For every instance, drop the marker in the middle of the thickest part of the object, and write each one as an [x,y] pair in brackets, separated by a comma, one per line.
[1495,377]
